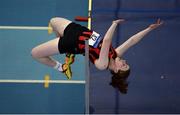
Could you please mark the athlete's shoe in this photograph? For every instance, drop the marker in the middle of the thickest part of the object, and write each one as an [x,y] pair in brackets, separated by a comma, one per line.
[67,70]
[69,58]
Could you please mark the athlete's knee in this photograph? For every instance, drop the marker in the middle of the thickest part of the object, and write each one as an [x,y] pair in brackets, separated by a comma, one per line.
[54,23]
[34,53]
[54,20]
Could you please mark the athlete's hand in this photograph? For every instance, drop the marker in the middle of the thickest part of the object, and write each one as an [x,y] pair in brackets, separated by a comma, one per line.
[155,25]
[118,21]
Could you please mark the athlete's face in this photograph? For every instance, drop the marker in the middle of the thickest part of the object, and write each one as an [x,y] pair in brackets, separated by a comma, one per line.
[120,64]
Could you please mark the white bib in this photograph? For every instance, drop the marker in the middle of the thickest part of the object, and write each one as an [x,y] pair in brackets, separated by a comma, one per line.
[95,39]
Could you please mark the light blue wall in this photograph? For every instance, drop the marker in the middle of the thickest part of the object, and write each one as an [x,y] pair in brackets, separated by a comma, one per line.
[16,61]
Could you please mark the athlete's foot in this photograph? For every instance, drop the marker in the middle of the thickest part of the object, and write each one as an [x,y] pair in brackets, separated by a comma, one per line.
[69,58]
[67,70]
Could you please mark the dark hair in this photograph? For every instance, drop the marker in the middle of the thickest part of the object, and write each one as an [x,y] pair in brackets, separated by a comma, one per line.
[119,80]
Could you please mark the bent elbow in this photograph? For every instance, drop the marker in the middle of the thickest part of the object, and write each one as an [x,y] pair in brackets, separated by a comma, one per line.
[101,66]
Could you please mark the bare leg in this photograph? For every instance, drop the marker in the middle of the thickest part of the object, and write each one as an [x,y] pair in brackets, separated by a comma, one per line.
[59,24]
[43,52]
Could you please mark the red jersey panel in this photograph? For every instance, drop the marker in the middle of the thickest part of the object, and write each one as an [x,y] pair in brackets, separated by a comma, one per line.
[93,52]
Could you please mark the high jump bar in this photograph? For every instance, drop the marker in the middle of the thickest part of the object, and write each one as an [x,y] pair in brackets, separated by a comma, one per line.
[23,28]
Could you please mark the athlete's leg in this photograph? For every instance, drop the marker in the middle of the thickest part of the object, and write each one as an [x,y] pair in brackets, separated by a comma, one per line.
[43,52]
[59,24]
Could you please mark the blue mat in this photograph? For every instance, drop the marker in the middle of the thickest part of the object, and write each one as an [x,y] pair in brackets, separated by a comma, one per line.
[154,79]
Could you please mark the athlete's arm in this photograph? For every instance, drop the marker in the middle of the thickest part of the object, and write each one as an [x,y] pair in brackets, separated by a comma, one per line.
[103,61]
[136,38]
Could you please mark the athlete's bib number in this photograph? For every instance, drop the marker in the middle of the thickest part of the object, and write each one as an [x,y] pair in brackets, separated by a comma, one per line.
[95,39]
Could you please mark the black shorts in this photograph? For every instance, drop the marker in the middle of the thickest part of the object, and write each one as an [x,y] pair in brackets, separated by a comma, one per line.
[69,42]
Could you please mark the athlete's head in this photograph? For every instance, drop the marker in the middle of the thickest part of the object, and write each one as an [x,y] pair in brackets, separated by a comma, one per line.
[120,65]
[119,81]
[120,71]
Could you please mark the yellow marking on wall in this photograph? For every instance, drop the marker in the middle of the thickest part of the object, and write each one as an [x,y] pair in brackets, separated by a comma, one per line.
[46,81]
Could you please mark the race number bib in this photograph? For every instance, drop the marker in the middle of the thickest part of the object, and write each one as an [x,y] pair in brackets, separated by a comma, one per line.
[95,39]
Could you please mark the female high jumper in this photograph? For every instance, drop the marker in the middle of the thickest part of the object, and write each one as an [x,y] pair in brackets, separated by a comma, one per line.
[71,40]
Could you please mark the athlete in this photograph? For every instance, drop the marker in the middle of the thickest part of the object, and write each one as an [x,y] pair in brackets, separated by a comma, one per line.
[71,40]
